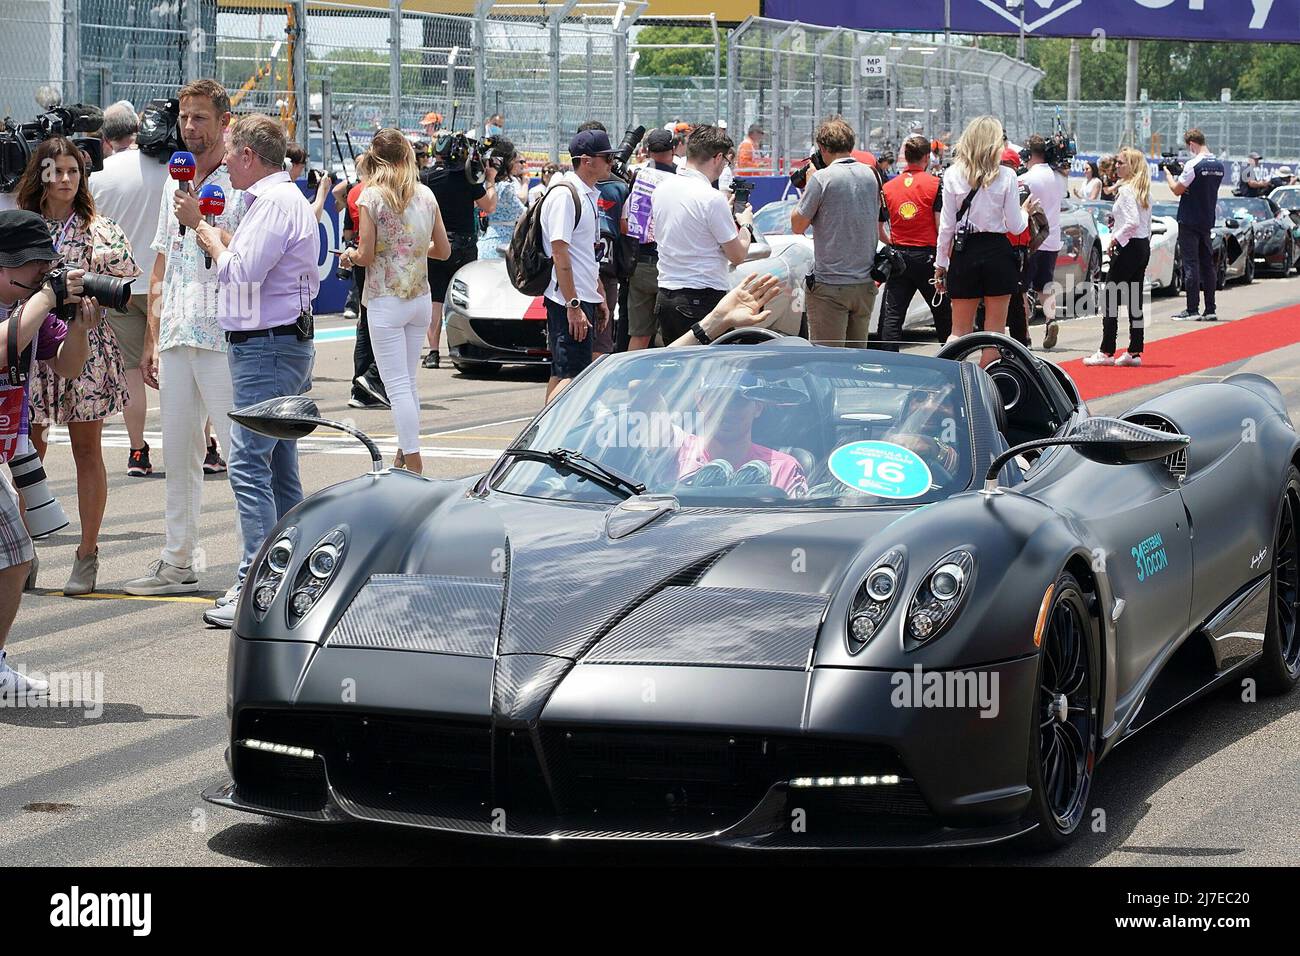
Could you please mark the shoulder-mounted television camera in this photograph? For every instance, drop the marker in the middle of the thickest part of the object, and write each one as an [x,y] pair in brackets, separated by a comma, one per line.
[19,140]
[160,129]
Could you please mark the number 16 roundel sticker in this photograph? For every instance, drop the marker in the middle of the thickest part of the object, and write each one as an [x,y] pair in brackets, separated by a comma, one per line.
[881,468]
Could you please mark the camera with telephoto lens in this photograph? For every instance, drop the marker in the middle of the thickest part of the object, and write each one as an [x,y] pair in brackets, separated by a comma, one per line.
[43,512]
[631,140]
[160,130]
[109,291]
[344,273]
[18,141]
[799,178]
[1173,162]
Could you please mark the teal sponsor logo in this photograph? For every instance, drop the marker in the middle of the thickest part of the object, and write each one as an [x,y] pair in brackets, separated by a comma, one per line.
[1150,556]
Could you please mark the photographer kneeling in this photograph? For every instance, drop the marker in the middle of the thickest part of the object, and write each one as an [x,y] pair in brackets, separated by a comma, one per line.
[842,200]
[26,255]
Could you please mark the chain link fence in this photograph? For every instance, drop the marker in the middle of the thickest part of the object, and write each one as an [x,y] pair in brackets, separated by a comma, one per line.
[1232,130]
[329,66]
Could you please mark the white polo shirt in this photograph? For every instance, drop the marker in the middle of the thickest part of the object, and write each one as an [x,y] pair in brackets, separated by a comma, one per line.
[557,223]
[692,221]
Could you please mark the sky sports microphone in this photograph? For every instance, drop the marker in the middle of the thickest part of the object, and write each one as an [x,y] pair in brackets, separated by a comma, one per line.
[182,169]
[212,203]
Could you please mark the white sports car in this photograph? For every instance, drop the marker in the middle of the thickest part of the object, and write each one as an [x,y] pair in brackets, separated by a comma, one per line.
[490,325]
[1165,269]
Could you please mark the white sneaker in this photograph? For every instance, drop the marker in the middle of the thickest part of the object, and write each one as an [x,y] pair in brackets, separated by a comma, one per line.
[230,597]
[1129,360]
[223,615]
[950,339]
[1099,358]
[163,578]
[14,685]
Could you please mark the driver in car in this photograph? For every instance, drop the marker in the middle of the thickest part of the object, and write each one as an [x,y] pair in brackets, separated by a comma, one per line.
[929,426]
[723,452]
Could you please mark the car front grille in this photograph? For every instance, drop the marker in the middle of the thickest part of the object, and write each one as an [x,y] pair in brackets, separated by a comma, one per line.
[519,336]
[464,775]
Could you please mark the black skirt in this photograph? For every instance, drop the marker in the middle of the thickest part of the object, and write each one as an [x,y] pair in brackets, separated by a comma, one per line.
[987,266]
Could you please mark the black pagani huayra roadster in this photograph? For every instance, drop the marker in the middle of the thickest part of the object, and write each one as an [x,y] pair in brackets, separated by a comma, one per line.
[768,595]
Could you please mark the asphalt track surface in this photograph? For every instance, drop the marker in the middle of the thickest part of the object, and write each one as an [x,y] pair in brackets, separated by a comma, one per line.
[1216,783]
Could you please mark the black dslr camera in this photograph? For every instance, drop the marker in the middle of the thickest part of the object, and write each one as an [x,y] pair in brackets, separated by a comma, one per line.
[109,291]
[19,140]
[631,140]
[740,192]
[799,178]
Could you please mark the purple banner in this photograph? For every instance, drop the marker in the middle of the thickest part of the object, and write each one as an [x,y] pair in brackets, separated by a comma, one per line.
[1261,21]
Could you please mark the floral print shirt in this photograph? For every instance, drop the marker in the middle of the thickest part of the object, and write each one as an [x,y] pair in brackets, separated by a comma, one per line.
[190,294]
[401,245]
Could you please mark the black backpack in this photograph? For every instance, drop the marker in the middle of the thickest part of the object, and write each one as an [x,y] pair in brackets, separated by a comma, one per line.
[527,264]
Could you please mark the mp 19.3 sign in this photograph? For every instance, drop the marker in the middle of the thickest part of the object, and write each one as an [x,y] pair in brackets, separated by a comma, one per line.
[1262,21]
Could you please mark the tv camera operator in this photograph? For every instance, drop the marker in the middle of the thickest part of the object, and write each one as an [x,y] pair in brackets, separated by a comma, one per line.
[1196,184]
[462,180]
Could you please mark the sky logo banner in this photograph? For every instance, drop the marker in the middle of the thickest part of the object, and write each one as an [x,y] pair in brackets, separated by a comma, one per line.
[1260,21]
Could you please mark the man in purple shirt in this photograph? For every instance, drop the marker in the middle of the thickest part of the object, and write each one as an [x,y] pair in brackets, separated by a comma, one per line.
[269,275]
[26,255]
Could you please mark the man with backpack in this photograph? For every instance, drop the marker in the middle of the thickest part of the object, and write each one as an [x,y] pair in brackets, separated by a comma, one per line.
[570,230]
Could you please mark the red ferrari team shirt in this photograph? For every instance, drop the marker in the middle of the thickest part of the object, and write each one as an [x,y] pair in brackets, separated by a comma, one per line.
[913,197]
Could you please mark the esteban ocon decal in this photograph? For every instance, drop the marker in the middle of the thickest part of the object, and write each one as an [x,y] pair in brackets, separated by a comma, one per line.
[881,468]
[1150,556]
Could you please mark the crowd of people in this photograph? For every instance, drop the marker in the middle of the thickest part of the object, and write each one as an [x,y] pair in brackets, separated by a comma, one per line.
[225,318]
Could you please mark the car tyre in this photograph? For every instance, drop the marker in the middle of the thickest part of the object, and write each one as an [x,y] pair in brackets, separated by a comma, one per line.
[1279,668]
[1063,731]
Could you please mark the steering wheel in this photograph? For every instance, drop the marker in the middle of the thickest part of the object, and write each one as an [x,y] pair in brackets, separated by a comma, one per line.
[749,336]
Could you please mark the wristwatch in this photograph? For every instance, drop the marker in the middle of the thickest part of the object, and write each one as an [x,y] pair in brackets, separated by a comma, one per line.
[574,303]
[698,331]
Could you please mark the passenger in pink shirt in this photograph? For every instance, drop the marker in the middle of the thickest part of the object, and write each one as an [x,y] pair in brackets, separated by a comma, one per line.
[724,453]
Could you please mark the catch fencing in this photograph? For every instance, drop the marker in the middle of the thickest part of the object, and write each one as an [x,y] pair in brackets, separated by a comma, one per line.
[328,66]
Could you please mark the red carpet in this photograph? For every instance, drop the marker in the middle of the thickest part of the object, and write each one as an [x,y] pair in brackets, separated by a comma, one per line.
[1205,345]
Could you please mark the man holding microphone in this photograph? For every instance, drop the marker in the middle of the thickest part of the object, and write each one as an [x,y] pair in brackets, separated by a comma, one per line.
[269,277]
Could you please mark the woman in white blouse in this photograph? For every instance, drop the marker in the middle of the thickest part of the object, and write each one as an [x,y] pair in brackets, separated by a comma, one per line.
[1130,250]
[981,205]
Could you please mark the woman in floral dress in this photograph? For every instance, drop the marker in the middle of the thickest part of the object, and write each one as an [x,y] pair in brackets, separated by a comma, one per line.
[55,185]
[512,200]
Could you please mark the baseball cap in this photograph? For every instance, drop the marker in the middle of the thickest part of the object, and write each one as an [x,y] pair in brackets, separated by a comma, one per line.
[431,118]
[590,142]
[659,141]
[1255,156]
[1010,157]
[24,238]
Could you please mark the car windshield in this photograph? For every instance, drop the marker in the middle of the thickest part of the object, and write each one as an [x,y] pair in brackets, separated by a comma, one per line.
[1287,198]
[747,426]
[774,219]
[1244,209]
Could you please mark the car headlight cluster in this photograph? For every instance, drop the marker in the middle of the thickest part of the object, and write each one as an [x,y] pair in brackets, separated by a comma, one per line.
[313,575]
[270,576]
[876,598]
[316,573]
[936,601]
[460,293]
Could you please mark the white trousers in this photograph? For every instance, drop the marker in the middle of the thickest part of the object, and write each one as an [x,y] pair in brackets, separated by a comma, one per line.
[397,328]
[194,386]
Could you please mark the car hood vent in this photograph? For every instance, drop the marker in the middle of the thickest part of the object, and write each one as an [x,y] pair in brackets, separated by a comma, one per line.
[1176,463]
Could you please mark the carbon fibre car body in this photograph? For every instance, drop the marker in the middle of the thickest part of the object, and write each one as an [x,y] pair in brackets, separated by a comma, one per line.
[534,652]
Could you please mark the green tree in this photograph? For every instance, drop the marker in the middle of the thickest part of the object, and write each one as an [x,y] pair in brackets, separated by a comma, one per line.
[692,62]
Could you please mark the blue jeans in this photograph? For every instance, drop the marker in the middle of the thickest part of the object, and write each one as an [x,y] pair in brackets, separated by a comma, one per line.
[263,471]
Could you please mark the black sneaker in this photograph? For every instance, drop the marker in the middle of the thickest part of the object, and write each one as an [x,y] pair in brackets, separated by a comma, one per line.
[213,463]
[1050,335]
[1210,317]
[1187,315]
[137,463]
[430,360]
[372,386]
